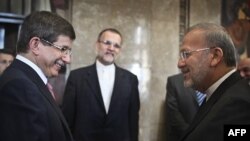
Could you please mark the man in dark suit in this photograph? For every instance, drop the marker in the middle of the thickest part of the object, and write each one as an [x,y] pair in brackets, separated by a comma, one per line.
[28,111]
[208,63]
[181,107]
[101,101]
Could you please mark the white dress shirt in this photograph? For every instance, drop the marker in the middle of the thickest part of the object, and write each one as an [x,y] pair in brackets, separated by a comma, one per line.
[33,66]
[212,88]
[106,77]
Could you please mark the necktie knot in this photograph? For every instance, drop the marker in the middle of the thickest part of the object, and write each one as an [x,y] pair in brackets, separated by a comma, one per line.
[200,97]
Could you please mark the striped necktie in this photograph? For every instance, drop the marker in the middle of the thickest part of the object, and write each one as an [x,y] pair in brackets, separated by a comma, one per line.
[200,97]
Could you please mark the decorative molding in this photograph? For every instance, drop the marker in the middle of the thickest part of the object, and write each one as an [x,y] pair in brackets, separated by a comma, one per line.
[184,18]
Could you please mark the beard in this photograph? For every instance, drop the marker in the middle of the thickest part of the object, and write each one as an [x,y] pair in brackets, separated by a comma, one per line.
[197,75]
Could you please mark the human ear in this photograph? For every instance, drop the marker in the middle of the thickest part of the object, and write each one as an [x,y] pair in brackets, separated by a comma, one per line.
[34,45]
[217,56]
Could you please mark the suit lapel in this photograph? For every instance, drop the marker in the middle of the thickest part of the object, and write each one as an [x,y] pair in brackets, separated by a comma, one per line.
[117,92]
[194,95]
[205,108]
[32,75]
[93,82]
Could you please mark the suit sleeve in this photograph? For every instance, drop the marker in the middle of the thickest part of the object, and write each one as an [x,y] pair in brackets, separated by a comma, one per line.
[22,113]
[176,123]
[134,111]
[68,105]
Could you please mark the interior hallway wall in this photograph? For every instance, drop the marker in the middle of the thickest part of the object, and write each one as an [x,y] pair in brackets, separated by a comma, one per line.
[151,44]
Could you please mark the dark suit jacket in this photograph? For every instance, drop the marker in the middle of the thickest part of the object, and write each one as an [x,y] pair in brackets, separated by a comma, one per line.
[181,106]
[229,104]
[84,109]
[28,112]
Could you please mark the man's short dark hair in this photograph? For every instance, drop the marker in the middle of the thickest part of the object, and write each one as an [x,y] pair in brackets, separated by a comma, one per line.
[45,25]
[111,30]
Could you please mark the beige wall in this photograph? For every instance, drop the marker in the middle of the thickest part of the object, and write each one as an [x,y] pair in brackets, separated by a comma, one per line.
[205,11]
[151,34]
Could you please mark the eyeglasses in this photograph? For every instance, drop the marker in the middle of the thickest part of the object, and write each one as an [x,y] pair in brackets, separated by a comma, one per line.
[109,43]
[186,54]
[64,50]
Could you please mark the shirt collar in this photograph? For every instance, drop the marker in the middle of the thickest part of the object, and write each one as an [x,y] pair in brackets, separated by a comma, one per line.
[212,88]
[33,66]
[100,66]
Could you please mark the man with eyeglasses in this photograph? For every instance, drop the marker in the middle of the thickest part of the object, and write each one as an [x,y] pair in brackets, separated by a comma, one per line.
[208,63]
[6,58]
[28,111]
[101,101]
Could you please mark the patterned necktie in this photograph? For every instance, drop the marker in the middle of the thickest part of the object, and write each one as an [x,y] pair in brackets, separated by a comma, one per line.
[49,86]
[200,97]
